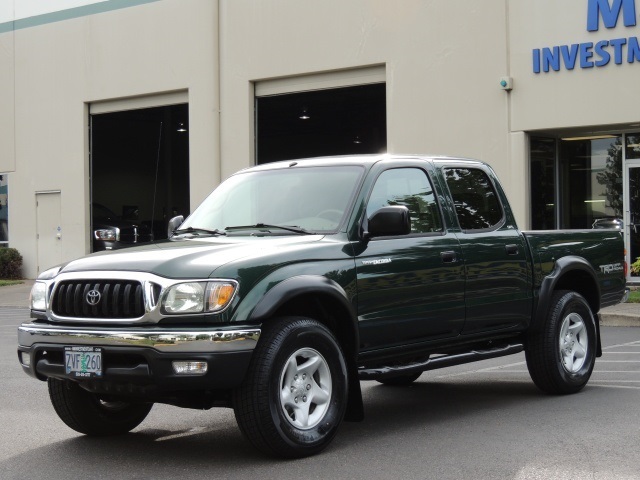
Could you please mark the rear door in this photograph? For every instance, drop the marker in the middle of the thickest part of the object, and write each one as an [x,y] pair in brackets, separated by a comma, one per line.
[496,260]
[411,287]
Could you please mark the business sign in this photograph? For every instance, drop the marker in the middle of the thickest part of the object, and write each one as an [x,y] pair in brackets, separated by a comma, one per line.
[606,13]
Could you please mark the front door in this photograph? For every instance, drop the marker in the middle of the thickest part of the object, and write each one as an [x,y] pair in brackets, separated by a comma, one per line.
[410,287]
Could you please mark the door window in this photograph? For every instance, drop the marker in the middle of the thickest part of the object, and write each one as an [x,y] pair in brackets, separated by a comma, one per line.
[477,205]
[411,188]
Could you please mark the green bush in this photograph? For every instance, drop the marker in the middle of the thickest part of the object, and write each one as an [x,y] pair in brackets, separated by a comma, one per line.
[10,263]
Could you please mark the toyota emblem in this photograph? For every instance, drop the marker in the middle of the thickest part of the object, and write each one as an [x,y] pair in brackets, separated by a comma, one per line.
[93,297]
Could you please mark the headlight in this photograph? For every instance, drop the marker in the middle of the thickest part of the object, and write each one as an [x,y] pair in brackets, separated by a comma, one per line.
[197,297]
[38,296]
[108,234]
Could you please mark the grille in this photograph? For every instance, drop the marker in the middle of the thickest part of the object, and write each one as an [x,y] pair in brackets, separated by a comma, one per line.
[117,299]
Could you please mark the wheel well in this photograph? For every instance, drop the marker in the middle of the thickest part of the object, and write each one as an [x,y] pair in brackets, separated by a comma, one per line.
[328,311]
[581,282]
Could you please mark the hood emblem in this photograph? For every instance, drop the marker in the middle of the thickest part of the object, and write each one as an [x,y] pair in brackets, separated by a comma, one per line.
[93,297]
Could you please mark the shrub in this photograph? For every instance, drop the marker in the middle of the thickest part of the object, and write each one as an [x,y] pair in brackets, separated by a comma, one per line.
[635,266]
[10,263]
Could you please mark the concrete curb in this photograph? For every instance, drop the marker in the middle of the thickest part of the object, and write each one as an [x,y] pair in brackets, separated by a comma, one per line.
[621,315]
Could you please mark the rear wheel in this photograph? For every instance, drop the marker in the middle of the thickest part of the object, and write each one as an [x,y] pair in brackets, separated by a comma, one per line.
[294,396]
[88,413]
[561,356]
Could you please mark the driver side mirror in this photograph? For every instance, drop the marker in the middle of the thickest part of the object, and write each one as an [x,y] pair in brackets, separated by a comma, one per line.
[389,222]
[174,223]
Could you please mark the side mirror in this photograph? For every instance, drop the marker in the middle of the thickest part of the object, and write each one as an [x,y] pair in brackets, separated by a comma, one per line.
[174,223]
[389,222]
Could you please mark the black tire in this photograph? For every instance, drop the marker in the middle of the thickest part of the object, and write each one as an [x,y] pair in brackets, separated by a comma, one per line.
[561,355]
[400,380]
[296,360]
[87,413]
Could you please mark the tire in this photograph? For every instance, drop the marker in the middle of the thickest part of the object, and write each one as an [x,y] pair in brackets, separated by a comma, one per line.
[561,356]
[400,380]
[88,413]
[294,395]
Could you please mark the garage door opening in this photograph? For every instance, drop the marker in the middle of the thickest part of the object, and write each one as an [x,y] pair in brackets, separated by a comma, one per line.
[139,174]
[336,121]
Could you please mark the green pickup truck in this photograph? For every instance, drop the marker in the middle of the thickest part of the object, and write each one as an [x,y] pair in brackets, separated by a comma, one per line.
[294,281]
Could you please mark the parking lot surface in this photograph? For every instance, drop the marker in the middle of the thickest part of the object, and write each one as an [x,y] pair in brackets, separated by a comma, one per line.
[479,421]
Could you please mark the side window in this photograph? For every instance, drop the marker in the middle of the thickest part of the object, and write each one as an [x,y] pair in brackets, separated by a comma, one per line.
[409,187]
[476,202]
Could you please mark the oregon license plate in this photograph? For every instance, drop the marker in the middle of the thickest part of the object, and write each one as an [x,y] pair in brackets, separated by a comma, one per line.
[83,362]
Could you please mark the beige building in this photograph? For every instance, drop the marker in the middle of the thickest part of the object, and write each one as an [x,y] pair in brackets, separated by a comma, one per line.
[143,106]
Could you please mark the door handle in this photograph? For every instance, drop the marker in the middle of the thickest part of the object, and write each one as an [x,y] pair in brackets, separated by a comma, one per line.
[448,257]
[511,249]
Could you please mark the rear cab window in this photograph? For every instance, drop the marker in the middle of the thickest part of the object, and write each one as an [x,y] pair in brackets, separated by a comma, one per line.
[475,199]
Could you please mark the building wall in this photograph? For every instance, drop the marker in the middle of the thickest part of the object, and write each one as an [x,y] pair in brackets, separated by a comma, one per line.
[52,72]
[442,64]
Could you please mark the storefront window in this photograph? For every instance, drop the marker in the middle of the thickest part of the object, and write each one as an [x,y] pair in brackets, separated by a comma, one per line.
[591,180]
[543,209]
[632,146]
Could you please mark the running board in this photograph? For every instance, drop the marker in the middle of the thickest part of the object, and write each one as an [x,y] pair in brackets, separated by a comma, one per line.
[438,362]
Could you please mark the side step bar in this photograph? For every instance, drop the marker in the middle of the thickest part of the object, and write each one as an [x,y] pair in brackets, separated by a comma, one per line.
[438,362]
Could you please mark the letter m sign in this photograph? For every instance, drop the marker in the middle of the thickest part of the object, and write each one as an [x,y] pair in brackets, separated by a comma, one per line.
[609,10]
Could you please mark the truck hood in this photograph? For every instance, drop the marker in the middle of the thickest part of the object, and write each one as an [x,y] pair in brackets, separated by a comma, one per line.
[187,257]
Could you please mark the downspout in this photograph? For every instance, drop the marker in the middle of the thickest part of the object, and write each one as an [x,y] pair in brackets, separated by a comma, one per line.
[218,89]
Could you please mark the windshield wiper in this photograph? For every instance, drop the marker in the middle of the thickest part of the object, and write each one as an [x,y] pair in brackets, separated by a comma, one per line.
[198,231]
[266,226]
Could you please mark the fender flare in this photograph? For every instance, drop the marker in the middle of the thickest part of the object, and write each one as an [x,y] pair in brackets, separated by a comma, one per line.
[563,266]
[302,285]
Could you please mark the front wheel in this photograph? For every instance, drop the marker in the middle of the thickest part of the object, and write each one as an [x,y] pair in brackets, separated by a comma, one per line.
[88,413]
[294,396]
[561,355]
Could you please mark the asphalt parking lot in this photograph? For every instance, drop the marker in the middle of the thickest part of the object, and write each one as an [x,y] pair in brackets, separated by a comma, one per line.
[479,421]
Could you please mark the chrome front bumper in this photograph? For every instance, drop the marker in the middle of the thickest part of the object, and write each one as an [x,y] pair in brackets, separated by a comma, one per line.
[201,340]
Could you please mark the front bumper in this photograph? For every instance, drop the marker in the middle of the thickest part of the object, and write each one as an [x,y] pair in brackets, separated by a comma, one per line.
[139,360]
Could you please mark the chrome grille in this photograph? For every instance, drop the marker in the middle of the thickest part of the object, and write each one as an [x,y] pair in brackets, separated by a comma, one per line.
[117,299]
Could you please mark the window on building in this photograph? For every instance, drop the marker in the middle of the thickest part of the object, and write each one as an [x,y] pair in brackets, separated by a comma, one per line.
[4,211]
[591,180]
[543,184]
[476,202]
[409,187]
[335,121]
[632,146]
[577,182]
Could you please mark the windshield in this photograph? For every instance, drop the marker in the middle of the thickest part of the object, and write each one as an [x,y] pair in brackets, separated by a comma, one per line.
[314,199]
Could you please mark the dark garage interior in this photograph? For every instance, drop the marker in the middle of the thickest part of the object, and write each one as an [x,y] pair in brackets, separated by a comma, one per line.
[139,170]
[337,121]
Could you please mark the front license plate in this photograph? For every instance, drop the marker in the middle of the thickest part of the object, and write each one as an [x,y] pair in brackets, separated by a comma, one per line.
[83,362]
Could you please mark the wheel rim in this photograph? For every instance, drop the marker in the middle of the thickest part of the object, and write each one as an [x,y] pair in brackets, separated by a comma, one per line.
[305,388]
[574,343]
